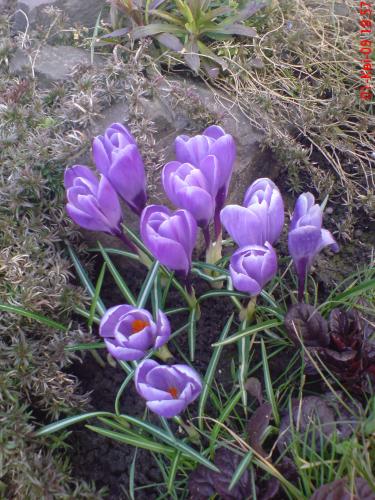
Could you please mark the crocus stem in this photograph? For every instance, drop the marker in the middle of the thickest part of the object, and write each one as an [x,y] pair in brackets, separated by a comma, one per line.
[217,225]
[127,242]
[98,358]
[247,313]
[164,354]
[301,286]
[207,237]
[190,430]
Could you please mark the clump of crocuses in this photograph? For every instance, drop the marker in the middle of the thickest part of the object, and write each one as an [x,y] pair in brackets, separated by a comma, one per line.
[129,332]
[307,237]
[168,390]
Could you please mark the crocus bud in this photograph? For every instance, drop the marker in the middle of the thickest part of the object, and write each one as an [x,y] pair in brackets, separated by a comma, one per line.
[117,157]
[262,217]
[187,187]
[251,267]
[214,141]
[92,204]
[129,332]
[168,390]
[170,236]
[213,152]
[306,237]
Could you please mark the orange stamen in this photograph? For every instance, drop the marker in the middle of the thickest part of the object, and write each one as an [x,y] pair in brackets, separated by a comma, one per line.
[138,325]
[173,392]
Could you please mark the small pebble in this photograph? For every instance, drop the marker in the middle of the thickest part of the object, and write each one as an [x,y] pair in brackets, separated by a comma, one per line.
[358,233]
[329,210]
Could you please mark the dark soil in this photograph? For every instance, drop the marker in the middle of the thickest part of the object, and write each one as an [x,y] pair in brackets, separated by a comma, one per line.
[96,458]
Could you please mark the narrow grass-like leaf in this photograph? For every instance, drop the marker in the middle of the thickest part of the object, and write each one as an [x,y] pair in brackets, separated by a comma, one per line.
[131,440]
[242,466]
[116,251]
[211,369]
[192,332]
[86,314]
[148,284]
[222,293]
[67,422]
[227,410]
[96,295]
[132,475]
[94,36]
[85,347]
[268,385]
[351,292]
[85,280]
[32,315]
[249,331]
[173,471]
[121,391]
[176,443]
[123,287]
[176,310]
[243,354]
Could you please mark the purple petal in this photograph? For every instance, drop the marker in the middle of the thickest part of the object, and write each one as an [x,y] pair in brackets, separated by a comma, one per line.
[142,370]
[167,180]
[242,224]
[167,409]
[214,131]
[304,242]
[85,220]
[163,330]
[328,240]
[123,353]
[100,155]
[127,173]
[225,151]
[304,202]
[260,184]
[244,283]
[79,171]
[210,168]
[111,318]
[198,202]
[109,202]
[152,394]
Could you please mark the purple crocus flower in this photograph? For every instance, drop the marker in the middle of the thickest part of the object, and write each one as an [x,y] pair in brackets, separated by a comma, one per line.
[168,390]
[261,218]
[117,157]
[187,187]
[129,332]
[170,236]
[251,267]
[213,152]
[307,237]
[92,204]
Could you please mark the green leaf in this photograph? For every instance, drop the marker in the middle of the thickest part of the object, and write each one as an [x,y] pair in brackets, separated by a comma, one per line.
[176,443]
[132,475]
[242,466]
[94,36]
[243,354]
[170,41]
[173,471]
[85,280]
[154,29]
[67,422]
[85,347]
[219,11]
[96,295]
[192,332]
[268,385]
[191,54]
[117,33]
[32,315]
[86,314]
[120,392]
[222,293]
[211,369]
[207,52]
[131,440]
[123,287]
[148,284]
[231,29]
[250,331]
[249,10]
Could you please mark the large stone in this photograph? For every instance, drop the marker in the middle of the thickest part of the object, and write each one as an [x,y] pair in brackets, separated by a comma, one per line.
[52,63]
[76,12]
[252,162]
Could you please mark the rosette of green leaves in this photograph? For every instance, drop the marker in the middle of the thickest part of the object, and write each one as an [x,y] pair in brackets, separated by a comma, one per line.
[188,26]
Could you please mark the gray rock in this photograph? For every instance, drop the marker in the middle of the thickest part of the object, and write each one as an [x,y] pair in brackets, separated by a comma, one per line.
[80,12]
[171,121]
[52,64]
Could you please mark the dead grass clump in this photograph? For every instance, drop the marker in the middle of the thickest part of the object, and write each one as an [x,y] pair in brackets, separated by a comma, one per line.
[300,82]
